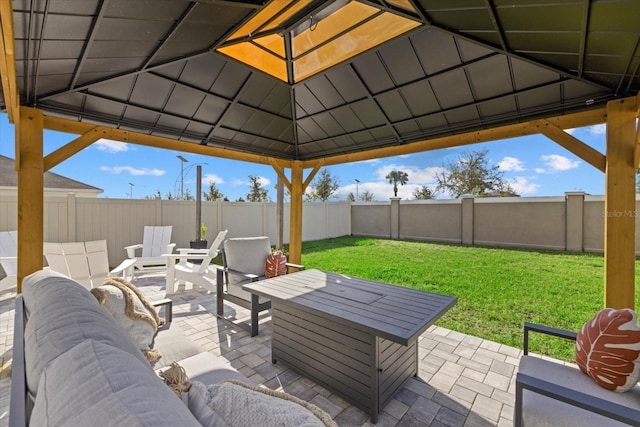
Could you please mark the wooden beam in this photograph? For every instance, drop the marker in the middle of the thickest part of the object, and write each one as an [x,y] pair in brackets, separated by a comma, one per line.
[29,141]
[280,172]
[620,205]
[295,213]
[307,181]
[68,126]
[66,151]
[8,61]
[569,121]
[573,144]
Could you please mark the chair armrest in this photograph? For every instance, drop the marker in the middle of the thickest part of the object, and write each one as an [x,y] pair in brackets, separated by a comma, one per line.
[251,276]
[170,248]
[576,398]
[547,330]
[300,267]
[186,256]
[8,258]
[168,308]
[131,250]
[184,251]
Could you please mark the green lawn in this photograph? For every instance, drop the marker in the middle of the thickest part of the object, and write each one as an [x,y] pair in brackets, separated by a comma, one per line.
[497,289]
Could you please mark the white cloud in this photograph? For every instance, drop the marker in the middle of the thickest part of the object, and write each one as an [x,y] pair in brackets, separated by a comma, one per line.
[237,182]
[523,187]
[556,162]
[511,164]
[111,146]
[600,129]
[212,178]
[132,171]
[539,170]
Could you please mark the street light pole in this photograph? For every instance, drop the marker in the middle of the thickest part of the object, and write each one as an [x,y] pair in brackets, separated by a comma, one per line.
[357,182]
[182,162]
[131,191]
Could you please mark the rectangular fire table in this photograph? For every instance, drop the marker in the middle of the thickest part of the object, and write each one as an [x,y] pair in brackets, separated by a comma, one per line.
[356,337]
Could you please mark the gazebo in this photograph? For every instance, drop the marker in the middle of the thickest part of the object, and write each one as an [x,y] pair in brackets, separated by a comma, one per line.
[301,84]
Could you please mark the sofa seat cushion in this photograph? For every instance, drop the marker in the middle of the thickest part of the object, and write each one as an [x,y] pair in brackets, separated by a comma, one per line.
[539,410]
[173,345]
[61,315]
[208,368]
[98,384]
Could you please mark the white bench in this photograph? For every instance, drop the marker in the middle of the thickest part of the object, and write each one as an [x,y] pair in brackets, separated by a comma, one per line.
[85,262]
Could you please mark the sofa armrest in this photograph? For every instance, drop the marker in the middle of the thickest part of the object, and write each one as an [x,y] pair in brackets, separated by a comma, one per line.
[547,330]
[18,403]
[576,398]
[168,308]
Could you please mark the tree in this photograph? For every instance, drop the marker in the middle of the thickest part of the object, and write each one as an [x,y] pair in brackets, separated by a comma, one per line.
[424,193]
[324,186]
[367,196]
[351,197]
[213,194]
[395,178]
[257,192]
[472,174]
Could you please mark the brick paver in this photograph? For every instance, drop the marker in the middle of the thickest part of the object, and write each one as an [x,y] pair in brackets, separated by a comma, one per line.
[463,380]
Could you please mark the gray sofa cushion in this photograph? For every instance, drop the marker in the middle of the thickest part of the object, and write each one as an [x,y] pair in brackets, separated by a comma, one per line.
[210,369]
[246,254]
[62,314]
[173,345]
[97,384]
[541,411]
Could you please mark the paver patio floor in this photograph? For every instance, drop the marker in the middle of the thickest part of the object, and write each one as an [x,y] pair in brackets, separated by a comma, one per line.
[463,380]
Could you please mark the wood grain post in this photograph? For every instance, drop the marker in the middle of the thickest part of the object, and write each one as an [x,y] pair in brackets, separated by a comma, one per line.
[30,165]
[620,205]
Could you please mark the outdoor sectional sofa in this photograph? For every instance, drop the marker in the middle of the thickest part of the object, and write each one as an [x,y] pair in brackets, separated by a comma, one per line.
[73,364]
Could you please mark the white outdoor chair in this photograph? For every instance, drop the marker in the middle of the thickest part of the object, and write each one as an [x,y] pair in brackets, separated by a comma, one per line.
[203,274]
[9,259]
[85,262]
[150,254]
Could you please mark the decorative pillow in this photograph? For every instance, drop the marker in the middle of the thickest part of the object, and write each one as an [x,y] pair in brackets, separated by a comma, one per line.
[239,405]
[129,307]
[608,349]
[276,264]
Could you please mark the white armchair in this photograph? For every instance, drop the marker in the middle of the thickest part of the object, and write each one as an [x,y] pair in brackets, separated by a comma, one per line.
[150,254]
[180,269]
[9,259]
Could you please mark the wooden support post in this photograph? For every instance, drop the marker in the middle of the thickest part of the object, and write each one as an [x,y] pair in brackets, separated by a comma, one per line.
[620,205]
[295,216]
[30,165]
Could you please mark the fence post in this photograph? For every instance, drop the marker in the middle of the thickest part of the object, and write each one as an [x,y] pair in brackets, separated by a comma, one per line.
[574,211]
[467,219]
[158,211]
[72,218]
[395,217]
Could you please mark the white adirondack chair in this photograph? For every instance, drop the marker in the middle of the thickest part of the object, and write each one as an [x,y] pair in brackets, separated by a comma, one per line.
[9,259]
[204,274]
[85,262]
[156,242]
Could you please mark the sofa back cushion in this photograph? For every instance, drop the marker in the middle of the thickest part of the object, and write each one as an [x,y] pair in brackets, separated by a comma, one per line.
[60,315]
[97,384]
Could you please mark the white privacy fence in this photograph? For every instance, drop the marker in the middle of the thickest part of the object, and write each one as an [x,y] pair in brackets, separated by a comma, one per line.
[121,221]
[574,222]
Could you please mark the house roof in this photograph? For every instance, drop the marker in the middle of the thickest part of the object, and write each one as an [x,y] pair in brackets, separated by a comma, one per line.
[52,181]
[154,67]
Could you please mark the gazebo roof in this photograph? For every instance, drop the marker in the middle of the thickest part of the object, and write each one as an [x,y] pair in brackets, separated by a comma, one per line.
[154,67]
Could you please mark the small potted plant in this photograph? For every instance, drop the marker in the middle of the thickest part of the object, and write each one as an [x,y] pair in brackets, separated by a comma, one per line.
[201,241]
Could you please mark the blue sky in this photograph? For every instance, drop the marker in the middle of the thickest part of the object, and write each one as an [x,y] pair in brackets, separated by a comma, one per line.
[534,165]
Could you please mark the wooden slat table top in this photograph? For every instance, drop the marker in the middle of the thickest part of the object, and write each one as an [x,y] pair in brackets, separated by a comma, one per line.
[393,312]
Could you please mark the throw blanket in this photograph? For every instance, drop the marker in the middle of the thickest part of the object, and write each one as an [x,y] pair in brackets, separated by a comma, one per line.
[130,308]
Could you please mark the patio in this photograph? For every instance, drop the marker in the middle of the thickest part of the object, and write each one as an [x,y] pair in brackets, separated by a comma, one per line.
[463,381]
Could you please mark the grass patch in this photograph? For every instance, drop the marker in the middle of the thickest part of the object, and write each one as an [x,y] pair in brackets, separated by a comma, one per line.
[497,289]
